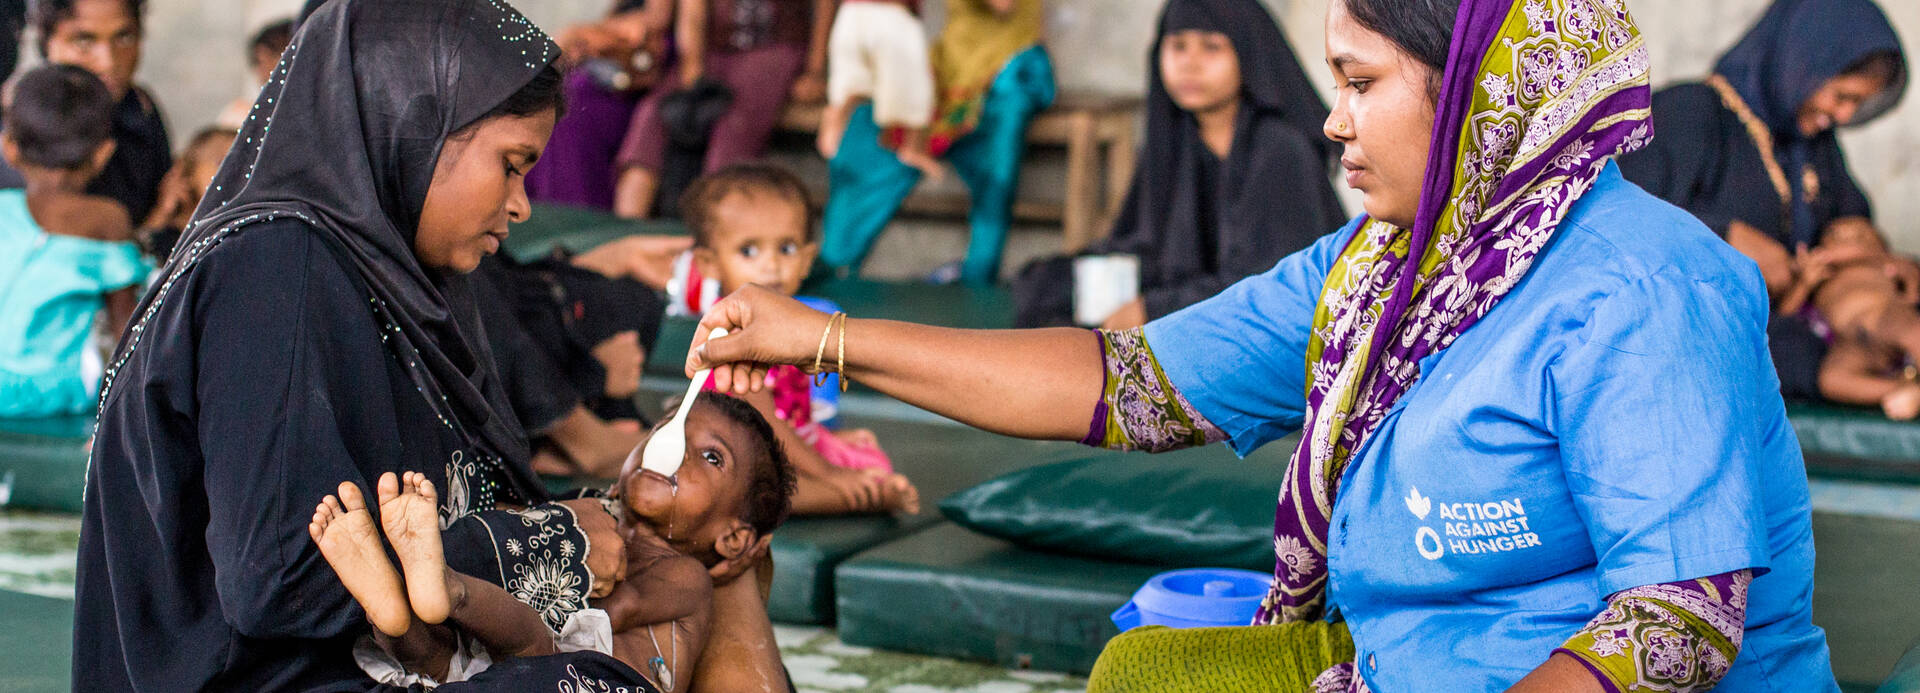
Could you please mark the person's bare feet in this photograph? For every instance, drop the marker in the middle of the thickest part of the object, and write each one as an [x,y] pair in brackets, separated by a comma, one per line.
[900,494]
[344,531]
[1903,404]
[920,159]
[845,491]
[410,516]
[827,142]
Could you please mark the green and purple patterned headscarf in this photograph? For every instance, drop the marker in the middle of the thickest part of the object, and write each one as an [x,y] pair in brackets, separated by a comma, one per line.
[1538,96]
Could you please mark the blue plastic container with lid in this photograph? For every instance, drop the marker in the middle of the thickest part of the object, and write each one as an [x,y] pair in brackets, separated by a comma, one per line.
[1195,598]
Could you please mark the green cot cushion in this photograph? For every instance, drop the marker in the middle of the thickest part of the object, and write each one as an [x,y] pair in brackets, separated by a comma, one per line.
[949,592]
[1189,508]
[36,633]
[939,458]
[1906,675]
[1856,443]
[1863,588]
[43,462]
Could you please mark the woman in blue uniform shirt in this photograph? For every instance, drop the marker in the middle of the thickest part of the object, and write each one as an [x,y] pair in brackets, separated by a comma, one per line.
[1536,401]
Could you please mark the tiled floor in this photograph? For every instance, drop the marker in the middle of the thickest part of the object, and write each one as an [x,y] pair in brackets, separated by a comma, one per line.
[37,556]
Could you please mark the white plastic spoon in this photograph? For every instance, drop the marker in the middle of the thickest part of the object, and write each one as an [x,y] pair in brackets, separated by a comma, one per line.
[668,446]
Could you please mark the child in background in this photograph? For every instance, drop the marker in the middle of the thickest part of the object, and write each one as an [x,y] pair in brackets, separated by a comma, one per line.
[1861,298]
[263,53]
[435,625]
[181,190]
[64,254]
[753,224]
[878,52]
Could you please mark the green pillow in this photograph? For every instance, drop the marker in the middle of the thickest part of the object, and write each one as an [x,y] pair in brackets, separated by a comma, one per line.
[1183,509]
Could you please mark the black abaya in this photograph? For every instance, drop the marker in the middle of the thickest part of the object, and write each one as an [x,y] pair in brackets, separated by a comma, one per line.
[295,342]
[1199,222]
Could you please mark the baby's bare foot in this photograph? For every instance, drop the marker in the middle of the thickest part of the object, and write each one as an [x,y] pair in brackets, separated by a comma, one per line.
[410,515]
[344,531]
[1903,404]
[900,494]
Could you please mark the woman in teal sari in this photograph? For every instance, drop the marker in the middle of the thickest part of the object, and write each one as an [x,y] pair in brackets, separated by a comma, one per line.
[993,76]
[1542,447]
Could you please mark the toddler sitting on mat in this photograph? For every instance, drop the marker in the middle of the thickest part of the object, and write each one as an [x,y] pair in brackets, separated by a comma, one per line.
[754,224]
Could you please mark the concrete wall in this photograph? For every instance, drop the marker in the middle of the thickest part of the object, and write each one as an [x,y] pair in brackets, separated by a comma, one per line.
[195,48]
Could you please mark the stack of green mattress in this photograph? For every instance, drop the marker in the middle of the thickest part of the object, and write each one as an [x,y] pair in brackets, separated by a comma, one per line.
[953,592]
[807,550]
[1856,443]
[43,462]
[36,633]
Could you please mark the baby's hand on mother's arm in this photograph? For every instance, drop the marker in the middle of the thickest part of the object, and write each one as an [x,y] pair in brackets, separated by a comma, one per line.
[606,549]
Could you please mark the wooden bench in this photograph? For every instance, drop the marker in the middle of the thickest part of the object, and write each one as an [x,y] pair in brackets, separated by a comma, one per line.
[1097,132]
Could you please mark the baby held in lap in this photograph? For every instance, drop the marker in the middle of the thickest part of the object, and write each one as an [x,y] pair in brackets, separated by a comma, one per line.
[1863,298]
[434,625]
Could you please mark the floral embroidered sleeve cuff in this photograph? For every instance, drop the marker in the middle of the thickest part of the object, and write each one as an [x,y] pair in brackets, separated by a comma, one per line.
[1678,636]
[1139,408]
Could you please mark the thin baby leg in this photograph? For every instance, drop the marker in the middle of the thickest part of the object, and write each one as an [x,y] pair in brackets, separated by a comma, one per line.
[481,609]
[343,529]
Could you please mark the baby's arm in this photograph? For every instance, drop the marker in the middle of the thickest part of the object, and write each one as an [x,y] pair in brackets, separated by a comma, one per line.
[674,592]
[1852,374]
[505,625]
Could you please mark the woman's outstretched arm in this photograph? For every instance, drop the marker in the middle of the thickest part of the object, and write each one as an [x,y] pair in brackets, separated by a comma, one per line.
[1041,384]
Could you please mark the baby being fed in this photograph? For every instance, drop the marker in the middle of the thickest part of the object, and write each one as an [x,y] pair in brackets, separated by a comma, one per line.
[434,625]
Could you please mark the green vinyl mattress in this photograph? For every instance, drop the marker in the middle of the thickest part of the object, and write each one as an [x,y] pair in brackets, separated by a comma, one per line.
[43,462]
[949,592]
[940,459]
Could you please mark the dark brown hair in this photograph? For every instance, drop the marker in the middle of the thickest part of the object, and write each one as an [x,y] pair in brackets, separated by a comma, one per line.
[1420,28]
[770,491]
[698,203]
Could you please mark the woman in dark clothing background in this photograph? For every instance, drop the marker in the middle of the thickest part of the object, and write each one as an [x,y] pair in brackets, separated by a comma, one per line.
[104,36]
[1231,178]
[313,325]
[1753,151]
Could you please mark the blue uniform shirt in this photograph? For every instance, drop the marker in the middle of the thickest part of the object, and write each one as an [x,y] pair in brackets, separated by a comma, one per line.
[1613,422]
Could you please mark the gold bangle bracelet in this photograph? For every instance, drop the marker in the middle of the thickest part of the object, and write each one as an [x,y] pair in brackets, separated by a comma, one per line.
[819,375]
[841,358]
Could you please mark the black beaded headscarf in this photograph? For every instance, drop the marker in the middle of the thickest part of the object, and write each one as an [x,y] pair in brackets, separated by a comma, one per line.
[345,137]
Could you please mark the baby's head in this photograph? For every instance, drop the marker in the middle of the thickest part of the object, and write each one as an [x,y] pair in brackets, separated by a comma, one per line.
[735,485]
[58,118]
[202,158]
[1854,232]
[752,224]
[263,52]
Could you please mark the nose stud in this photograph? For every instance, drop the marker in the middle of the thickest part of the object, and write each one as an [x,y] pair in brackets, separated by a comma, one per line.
[1340,126]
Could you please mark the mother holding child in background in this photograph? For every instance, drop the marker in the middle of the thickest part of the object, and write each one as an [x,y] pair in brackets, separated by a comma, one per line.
[1510,323]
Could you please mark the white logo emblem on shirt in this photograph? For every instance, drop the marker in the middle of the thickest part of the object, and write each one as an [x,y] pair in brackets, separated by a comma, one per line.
[1417,504]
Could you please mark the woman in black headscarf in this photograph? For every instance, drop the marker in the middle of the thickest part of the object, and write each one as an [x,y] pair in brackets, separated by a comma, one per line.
[1752,151]
[314,325]
[1230,179]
